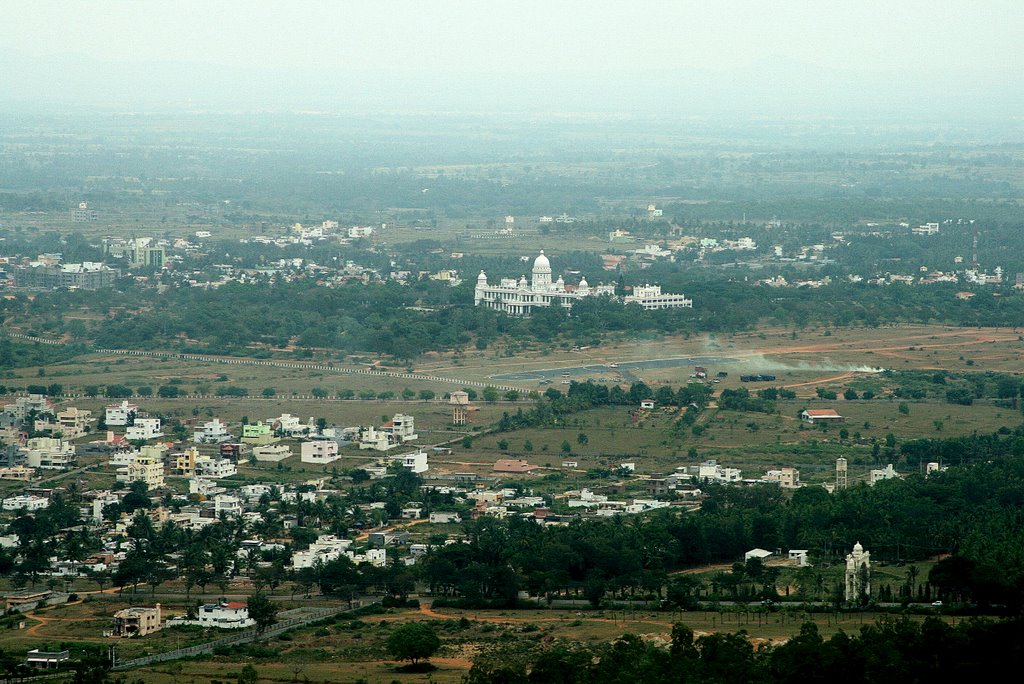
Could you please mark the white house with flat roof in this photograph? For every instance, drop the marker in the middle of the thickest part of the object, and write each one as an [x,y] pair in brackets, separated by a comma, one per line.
[225,615]
[215,468]
[146,466]
[25,501]
[144,429]
[121,414]
[711,470]
[319,451]
[401,427]
[378,440]
[326,548]
[271,452]
[290,426]
[22,406]
[787,478]
[48,453]
[879,474]
[415,461]
[212,432]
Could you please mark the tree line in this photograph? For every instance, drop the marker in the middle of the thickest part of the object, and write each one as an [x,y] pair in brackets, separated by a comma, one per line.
[893,650]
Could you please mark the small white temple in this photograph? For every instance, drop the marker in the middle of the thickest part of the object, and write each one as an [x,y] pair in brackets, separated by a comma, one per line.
[858,574]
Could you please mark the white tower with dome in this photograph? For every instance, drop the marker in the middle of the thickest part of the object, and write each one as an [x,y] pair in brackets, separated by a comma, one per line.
[541,272]
[858,574]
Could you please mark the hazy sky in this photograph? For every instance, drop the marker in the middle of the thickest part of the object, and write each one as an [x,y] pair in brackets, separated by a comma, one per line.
[566,54]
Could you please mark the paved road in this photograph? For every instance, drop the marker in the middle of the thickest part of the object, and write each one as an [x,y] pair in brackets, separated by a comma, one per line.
[623,367]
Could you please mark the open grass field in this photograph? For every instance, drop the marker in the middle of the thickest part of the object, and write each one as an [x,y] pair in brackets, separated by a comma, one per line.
[752,441]
[813,358]
[206,377]
[351,651]
[833,359]
[827,358]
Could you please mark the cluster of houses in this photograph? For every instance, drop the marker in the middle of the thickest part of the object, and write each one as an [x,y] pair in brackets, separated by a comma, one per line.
[53,448]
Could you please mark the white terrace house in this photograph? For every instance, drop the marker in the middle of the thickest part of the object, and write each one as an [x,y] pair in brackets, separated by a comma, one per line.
[144,429]
[378,558]
[401,427]
[25,501]
[121,414]
[787,478]
[372,438]
[319,451]
[879,474]
[225,615]
[710,470]
[290,426]
[415,461]
[147,466]
[22,406]
[215,468]
[212,432]
[326,548]
[271,452]
[71,423]
[230,506]
[48,453]
[204,487]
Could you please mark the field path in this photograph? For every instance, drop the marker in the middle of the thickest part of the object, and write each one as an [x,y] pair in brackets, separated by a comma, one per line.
[818,381]
[42,620]
[409,523]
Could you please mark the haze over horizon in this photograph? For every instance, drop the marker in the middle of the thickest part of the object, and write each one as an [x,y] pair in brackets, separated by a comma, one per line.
[950,62]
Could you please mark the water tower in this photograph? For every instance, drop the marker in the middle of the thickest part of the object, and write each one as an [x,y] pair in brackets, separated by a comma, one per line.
[460,407]
[841,481]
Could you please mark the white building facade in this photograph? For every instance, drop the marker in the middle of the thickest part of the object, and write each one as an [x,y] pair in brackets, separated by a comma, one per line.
[650,297]
[215,468]
[401,427]
[212,432]
[519,298]
[144,429]
[48,453]
[326,548]
[121,414]
[415,461]
[225,615]
[319,451]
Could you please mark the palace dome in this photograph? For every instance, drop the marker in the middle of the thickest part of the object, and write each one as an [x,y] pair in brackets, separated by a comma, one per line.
[541,264]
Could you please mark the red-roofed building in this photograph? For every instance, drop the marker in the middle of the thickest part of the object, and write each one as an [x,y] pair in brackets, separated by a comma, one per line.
[813,416]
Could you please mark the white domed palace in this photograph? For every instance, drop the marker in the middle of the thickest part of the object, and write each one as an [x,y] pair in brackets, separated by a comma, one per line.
[519,298]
